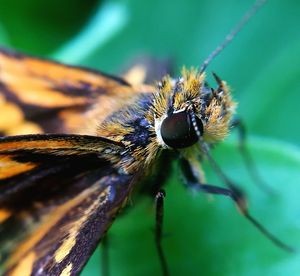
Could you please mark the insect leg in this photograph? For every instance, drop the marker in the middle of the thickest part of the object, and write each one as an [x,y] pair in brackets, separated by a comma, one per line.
[235,194]
[159,210]
[249,161]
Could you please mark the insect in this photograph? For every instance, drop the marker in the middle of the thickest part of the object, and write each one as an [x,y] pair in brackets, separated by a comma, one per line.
[60,192]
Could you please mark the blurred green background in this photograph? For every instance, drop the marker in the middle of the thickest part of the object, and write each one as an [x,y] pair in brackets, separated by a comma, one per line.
[262,65]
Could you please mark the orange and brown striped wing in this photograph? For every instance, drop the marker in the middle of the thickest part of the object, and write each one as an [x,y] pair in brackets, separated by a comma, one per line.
[58,196]
[38,95]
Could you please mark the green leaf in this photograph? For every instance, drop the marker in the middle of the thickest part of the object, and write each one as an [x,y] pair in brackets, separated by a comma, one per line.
[275,109]
[108,21]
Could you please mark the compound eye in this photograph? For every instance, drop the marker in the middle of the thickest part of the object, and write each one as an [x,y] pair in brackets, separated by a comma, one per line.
[177,130]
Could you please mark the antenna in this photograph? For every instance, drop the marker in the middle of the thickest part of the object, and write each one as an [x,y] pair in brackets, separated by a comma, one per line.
[247,16]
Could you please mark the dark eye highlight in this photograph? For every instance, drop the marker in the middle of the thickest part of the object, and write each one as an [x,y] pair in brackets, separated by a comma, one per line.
[177,130]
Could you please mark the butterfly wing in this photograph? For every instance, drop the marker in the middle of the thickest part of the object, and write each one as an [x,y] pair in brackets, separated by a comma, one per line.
[58,196]
[58,193]
[38,95]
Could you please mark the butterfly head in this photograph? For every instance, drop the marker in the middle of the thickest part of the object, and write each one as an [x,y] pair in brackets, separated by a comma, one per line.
[187,109]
